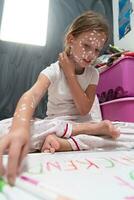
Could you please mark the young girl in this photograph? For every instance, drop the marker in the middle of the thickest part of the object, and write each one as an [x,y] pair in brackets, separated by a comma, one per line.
[71,84]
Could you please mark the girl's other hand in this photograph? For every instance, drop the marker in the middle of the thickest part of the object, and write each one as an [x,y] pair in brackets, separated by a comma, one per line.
[16,144]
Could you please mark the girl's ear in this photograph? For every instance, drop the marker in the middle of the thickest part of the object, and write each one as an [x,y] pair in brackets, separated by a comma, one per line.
[70,39]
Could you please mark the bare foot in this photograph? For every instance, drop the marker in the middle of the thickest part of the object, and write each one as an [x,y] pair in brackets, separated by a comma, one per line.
[104,127]
[53,143]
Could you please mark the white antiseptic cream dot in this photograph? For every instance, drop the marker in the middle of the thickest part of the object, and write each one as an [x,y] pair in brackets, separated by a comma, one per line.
[23,119]
[23,108]
[23,105]
[32,105]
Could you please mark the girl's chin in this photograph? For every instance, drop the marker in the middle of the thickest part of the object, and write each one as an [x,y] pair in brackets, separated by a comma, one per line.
[84,65]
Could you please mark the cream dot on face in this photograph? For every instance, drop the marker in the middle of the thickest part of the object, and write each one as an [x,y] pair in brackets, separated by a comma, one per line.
[71,52]
[94,31]
[82,40]
[77,58]
[83,55]
[80,43]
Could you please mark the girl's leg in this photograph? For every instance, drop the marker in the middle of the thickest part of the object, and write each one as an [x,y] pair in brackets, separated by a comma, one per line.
[98,128]
[77,143]
[90,142]
[82,137]
[39,130]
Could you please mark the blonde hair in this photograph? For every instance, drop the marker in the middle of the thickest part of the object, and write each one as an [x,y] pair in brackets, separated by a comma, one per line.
[88,21]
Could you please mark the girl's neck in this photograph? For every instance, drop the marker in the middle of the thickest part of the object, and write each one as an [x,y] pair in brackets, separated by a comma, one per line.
[79,71]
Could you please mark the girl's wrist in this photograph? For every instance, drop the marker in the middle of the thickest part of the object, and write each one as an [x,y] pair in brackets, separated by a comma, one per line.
[71,76]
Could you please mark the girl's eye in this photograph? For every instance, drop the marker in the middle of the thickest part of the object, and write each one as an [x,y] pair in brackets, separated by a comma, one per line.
[97,51]
[86,46]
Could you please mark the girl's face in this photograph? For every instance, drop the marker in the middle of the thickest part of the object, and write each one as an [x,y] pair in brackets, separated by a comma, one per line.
[85,48]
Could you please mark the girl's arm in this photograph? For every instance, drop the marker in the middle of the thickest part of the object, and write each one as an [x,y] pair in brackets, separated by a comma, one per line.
[82,99]
[16,143]
[28,103]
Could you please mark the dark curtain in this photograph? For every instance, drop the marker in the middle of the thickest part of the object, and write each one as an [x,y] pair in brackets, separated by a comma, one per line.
[20,64]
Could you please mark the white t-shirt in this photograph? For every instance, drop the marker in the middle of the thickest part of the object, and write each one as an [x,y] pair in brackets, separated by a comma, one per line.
[60,101]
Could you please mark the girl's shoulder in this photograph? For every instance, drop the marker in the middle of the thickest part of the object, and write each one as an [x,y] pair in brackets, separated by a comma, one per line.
[92,69]
[53,67]
[52,72]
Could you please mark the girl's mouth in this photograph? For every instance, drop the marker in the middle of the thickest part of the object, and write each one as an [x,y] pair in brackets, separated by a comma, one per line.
[87,61]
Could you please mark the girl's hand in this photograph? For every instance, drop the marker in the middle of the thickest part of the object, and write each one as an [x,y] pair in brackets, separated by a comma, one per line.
[16,144]
[66,64]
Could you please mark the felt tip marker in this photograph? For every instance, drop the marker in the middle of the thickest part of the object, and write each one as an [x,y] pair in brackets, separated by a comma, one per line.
[39,189]
[6,190]
[14,193]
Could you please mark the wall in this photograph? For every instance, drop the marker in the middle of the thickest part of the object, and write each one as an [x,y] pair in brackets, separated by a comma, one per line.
[127,41]
[20,64]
